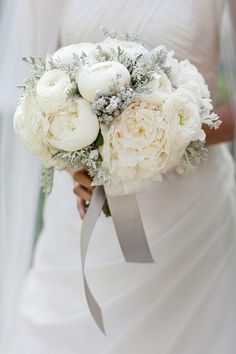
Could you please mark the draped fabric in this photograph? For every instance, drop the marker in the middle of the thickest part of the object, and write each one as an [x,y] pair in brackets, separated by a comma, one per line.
[184,303]
[26,28]
[228,56]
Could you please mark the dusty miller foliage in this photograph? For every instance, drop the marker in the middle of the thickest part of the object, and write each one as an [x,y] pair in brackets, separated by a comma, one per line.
[69,69]
[46,180]
[125,36]
[107,107]
[212,121]
[88,157]
[195,154]
[102,54]
[141,69]
[39,66]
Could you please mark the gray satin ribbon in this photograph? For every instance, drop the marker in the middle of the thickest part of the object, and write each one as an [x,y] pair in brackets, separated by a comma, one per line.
[129,228]
[88,225]
[130,232]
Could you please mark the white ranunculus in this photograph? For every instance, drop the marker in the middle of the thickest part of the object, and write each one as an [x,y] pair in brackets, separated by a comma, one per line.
[190,78]
[181,111]
[52,89]
[160,87]
[131,48]
[65,54]
[73,128]
[136,146]
[99,77]
[174,68]
[184,74]
[31,125]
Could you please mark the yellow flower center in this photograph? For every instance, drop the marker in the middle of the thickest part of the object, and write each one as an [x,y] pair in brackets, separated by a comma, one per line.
[182,119]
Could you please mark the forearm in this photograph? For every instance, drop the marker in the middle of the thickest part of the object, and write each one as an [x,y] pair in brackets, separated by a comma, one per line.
[225,133]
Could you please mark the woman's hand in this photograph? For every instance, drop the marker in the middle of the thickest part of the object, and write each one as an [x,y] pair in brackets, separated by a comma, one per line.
[83,190]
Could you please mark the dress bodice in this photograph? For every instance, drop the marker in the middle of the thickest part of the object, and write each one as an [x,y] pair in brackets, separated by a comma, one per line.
[189,27]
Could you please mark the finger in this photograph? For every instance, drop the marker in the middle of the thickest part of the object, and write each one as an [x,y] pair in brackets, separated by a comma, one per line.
[82,178]
[81,206]
[82,193]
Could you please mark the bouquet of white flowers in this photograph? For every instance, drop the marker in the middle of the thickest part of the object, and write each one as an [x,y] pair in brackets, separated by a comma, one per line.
[129,115]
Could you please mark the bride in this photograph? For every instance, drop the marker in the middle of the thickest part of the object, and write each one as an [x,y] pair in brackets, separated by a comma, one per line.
[184,303]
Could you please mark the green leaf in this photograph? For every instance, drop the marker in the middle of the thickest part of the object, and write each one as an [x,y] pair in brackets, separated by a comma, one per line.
[99,141]
[106,209]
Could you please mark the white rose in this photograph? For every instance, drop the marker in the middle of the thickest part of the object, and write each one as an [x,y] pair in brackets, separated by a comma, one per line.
[65,54]
[181,111]
[136,146]
[51,90]
[99,77]
[73,128]
[31,125]
[131,48]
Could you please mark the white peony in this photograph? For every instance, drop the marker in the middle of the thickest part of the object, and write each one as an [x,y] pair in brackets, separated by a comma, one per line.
[31,125]
[74,127]
[99,77]
[52,89]
[137,147]
[131,48]
[65,54]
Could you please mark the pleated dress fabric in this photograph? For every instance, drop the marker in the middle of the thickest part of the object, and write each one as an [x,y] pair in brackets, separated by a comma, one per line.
[184,303]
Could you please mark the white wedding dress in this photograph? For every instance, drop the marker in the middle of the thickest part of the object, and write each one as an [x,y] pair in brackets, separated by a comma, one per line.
[185,303]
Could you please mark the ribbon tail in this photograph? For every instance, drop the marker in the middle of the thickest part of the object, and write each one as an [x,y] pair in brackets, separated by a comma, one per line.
[130,232]
[129,228]
[88,225]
